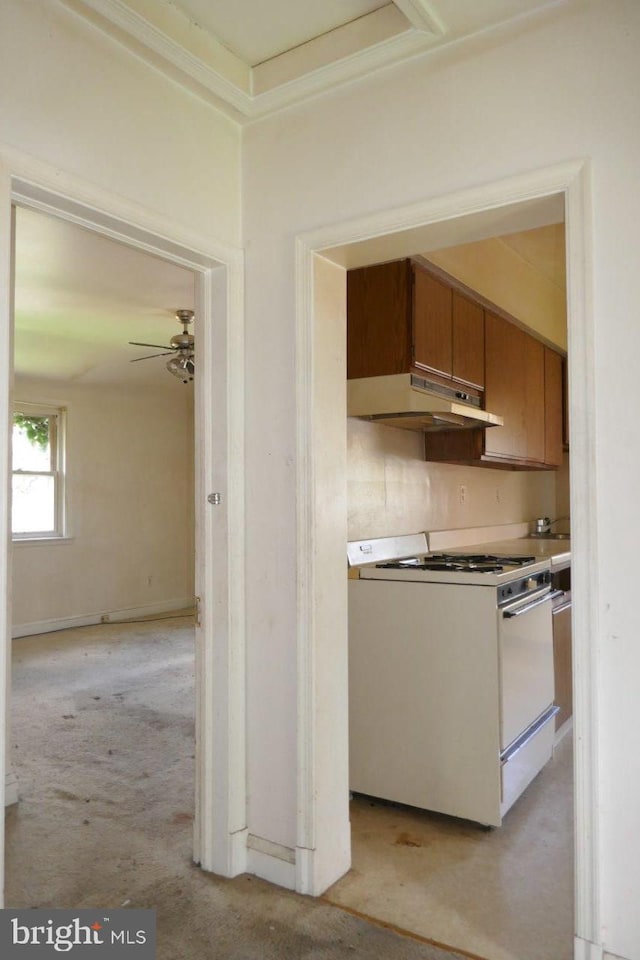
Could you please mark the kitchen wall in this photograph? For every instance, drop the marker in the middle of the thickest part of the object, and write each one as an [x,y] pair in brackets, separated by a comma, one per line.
[392,490]
[560,87]
[130,494]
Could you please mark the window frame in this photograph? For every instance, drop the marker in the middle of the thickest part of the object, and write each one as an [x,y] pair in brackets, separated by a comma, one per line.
[57,471]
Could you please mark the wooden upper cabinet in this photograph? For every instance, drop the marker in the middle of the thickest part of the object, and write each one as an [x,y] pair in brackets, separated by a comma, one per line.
[515,389]
[432,324]
[401,318]
[379,320]
[404,317]
[468,341]
[534,398]
[505,388]
[554,407]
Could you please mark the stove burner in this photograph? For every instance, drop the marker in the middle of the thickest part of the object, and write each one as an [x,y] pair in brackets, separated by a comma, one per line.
[460,562]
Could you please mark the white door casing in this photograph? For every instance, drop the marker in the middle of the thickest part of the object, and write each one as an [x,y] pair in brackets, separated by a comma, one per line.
[321,537]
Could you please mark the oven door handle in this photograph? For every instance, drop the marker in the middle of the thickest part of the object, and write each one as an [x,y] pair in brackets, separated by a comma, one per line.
[519,611]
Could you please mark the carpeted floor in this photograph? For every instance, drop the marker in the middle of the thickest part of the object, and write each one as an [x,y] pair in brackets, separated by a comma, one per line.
[102,744]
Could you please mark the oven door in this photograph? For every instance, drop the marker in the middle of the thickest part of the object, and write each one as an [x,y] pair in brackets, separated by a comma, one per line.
[525,643]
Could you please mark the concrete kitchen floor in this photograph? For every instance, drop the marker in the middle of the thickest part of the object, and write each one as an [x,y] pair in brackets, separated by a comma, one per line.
[504,894]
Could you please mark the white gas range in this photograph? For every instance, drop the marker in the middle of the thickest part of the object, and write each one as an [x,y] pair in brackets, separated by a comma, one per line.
[451,676]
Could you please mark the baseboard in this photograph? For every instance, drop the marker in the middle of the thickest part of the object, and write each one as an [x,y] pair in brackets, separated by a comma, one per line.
[585,950]
[271,861]
[104,616]
[10,790]
[565,729]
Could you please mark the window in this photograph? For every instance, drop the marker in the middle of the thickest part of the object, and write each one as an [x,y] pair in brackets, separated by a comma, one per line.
[38,472]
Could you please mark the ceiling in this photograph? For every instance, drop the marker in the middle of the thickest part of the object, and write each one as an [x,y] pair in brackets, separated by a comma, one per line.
[252,58]
[80,297]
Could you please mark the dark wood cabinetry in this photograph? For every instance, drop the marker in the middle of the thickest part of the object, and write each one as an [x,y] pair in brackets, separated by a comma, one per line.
[554,407]
[379,309]
[404,316]
[402,319]
[468,341]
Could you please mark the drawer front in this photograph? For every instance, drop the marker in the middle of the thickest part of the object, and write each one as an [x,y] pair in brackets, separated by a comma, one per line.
[518,772]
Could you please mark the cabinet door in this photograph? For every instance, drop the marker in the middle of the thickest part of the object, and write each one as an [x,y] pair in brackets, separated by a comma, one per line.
[553,408]
[505,387]
[534,398]
[432,330]
[468,341]
[379,320]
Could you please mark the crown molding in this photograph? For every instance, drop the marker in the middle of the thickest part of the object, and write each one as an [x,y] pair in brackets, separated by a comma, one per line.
[359,64]
[422,15]
[126,26]
[208,79]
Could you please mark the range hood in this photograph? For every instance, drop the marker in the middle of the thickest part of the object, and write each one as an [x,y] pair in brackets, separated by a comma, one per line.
[414,403]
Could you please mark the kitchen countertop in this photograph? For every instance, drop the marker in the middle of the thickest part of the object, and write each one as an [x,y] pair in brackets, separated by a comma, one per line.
[557,551]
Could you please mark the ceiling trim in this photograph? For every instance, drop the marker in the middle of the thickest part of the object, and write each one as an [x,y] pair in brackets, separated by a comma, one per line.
[161,35]
[125,25]
[357,65]
[215,78]
[422,15]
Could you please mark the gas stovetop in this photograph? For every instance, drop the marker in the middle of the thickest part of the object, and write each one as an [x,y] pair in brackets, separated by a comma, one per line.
[463,562]
[407,558]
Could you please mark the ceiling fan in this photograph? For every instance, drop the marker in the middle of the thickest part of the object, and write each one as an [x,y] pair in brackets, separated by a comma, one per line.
[182,363]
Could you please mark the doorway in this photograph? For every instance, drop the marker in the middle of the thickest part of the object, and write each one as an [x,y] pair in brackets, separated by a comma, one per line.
[218,305]
[445,879]
[323,258]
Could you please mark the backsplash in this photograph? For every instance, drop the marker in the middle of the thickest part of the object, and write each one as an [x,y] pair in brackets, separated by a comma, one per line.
[392,490]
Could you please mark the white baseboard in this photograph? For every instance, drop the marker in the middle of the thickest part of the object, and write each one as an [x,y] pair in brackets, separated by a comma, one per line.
[104,616]
[10,789]
[585,950]
[271,861]
[566,728]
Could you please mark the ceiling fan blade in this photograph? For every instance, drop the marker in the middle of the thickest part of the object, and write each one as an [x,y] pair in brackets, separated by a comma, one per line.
[151,356]
[160,346]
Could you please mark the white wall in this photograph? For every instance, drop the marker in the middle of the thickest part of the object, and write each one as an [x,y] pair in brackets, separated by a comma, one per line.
[566,88]
[80,102]
[130,495]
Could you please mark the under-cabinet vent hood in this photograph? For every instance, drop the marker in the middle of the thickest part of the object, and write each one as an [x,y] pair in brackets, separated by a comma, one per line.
[414,403]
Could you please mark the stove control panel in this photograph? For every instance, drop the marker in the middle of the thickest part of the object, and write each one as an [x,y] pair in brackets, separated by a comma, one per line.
[522,586]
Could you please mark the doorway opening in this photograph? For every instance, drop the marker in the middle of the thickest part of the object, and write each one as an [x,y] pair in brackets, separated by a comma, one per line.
[324,257]
[423,657]
[218,840]
[102,534]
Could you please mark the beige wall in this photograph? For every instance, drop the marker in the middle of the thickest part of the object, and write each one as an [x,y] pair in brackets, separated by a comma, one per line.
[131,503]
[82,104]
[392,490]
[524,273]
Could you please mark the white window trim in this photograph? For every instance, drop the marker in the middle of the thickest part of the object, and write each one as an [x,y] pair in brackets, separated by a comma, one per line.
[59,473]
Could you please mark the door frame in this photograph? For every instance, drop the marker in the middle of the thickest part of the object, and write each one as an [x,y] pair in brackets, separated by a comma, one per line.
[220,776]
[321,448]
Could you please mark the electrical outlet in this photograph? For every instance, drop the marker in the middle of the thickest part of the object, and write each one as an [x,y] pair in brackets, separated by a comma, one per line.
[462,493]
[104,618]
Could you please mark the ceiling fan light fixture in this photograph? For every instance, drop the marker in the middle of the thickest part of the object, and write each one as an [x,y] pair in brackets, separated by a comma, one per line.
[182,367]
